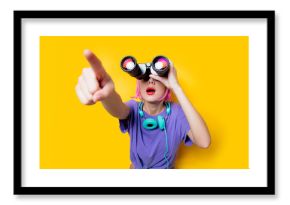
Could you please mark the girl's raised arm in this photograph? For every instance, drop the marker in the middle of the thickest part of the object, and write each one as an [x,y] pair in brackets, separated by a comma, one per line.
[95,84]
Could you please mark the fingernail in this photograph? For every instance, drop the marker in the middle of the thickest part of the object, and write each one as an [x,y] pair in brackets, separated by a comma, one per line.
[86,52]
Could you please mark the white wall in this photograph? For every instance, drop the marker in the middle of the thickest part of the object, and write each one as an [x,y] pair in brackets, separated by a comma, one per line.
[282,98]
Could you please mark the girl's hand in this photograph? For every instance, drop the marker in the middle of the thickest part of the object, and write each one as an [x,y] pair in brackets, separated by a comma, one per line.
[94,84]
[170,81]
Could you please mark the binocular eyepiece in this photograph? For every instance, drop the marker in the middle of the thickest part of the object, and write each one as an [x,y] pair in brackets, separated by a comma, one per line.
[159,66]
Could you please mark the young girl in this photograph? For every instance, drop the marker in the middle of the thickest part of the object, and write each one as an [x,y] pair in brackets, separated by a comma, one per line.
[156,126]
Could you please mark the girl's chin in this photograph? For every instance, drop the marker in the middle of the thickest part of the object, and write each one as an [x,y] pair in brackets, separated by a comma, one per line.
[152,98]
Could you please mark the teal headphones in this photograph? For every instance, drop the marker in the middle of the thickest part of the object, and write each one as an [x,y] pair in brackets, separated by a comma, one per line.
[150,123]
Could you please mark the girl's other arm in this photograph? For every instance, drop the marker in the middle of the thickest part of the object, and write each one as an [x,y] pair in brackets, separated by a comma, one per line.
[198,133]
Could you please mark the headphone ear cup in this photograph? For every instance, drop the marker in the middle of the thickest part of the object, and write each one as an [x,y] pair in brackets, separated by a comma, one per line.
[161,122]
[150,124]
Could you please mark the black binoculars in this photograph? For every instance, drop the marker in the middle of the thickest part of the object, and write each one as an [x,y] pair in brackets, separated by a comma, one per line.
[159,66]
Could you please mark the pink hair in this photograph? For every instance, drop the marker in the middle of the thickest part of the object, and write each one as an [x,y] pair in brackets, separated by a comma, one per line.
[165,97]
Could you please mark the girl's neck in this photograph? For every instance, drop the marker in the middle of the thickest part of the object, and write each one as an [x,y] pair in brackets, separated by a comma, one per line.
[153,108]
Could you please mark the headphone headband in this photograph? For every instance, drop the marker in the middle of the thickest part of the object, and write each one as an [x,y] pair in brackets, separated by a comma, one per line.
[141,113]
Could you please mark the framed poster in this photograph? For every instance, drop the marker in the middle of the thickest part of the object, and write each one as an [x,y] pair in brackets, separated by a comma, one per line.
[225,66]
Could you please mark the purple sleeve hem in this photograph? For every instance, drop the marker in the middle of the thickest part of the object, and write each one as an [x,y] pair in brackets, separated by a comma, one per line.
[123,125]
[188,141]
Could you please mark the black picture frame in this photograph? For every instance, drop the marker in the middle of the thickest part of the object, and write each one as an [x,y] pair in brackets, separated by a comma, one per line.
[19,189]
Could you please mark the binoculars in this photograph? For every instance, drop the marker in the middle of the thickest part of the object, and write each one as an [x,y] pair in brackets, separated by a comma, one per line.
[159,66]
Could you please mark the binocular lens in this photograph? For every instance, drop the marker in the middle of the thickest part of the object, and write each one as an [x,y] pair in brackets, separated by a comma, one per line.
[161,63]
[128,63]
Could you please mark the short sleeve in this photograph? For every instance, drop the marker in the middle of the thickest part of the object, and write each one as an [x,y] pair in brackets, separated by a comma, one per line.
[125,123]
[183,127]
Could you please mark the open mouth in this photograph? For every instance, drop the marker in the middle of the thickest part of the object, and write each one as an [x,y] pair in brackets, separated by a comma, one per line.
[150,91]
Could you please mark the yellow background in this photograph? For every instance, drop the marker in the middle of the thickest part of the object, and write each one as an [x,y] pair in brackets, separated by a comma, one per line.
[212,70]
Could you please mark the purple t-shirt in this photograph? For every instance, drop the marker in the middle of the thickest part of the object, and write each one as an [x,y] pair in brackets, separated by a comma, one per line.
[147,147]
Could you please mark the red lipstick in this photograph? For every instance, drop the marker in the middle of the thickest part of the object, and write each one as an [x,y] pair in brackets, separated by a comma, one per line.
[150,91]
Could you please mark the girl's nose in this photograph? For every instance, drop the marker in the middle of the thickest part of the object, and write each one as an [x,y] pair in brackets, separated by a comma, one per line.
[151,80]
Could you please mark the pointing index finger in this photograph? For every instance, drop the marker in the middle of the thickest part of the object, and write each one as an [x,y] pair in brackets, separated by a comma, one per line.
[95,64]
